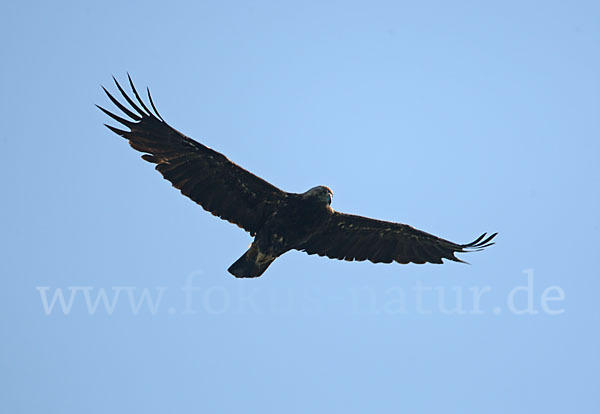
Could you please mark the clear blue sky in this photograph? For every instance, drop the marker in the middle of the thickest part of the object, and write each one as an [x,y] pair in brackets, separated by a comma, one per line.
[455,117]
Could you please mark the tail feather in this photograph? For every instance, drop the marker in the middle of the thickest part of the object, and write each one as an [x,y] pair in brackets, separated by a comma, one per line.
[253,263]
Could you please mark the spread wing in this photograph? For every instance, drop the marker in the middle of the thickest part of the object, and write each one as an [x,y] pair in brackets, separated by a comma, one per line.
[200,173]
[350,237]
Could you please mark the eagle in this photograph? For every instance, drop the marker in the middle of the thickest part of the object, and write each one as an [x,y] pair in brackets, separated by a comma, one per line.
[278,220]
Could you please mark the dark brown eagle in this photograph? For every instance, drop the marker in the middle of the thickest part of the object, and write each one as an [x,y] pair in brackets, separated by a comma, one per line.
[279,221]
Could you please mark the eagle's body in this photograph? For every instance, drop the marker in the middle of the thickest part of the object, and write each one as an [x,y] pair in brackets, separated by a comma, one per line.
[280,221]
[298,218]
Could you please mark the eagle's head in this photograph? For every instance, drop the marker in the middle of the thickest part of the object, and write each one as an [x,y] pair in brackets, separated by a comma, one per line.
[321,193]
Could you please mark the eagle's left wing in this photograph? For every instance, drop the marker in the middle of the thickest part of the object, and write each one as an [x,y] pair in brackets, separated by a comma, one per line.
[206,176]
[351,237]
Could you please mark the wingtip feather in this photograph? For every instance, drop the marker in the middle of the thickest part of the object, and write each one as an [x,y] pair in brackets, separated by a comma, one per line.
[153,106]
[137,95]
[116,130]
[129,100]
[117,118]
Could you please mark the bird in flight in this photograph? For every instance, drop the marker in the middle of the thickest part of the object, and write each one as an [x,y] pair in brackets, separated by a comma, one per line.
[279,221]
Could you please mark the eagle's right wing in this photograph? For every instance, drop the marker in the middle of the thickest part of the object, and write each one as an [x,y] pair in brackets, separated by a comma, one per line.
[351,237]
[200,173]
